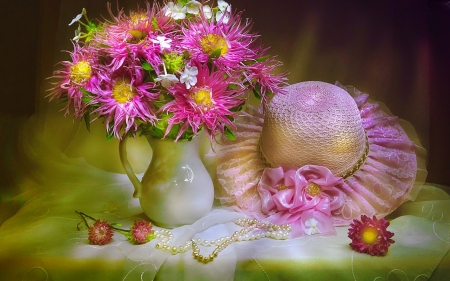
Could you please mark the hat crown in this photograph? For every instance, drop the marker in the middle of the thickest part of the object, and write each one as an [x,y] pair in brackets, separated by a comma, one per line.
[315,123]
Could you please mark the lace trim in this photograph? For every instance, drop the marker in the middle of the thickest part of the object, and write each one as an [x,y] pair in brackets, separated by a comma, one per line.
[350,173]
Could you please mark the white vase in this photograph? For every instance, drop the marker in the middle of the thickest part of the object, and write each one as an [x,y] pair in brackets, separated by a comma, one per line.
[176,189]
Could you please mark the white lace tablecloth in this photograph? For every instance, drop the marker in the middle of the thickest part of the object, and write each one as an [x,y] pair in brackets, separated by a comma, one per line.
[41,241]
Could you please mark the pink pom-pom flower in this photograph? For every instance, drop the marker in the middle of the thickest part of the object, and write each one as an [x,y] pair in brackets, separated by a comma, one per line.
[142,232]
[100,233]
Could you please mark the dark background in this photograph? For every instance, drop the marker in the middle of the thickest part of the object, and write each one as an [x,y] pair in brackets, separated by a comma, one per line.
[398,51]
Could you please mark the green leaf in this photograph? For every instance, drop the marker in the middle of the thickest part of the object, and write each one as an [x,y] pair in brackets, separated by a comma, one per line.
[153,74]
[63,101]
[109,136]
[236,108]
[229,134]
[216,53]
[155,24]
[127,234]
[85,92]
[156,132]
[147,66]
[232,87]
[210,65]
[87,121]
[186,54]
[257,92]
[86,99]
[87,96]
[151,236]
[262,59]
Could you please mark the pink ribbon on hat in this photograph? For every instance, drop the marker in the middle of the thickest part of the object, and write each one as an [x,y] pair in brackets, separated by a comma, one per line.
[303,198]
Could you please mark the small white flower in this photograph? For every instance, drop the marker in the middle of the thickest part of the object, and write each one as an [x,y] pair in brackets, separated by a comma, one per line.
[163,42]
[312,228]
[77,34]
[223,6]
[166,80]
[189,76]
[75,19]
[224,11]
[225,16]
[177,12]
[193,7]
[207,11]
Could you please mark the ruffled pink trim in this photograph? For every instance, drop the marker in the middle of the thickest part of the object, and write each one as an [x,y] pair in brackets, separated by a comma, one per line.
[384,182]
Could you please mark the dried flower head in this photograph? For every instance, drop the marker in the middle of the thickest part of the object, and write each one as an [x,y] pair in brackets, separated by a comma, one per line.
[142,232]
[370,236]
[100,233]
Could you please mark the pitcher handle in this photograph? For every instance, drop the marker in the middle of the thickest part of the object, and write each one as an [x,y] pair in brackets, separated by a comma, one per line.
[128,169]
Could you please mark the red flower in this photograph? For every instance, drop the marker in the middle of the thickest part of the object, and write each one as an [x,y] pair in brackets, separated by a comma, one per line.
[142,232]
[100,233]
[370,236]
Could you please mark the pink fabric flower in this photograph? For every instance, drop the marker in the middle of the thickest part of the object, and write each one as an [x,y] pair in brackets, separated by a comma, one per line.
[370,236]
[100,233]
[303,198]
[142,232]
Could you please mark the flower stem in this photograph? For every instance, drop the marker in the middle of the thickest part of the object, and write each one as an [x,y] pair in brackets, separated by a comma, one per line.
[84,216]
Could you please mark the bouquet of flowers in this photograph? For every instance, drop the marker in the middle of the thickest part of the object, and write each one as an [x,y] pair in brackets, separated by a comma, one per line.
[165,70]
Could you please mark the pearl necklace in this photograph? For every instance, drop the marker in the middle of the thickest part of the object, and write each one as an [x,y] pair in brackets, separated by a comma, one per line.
[279,232]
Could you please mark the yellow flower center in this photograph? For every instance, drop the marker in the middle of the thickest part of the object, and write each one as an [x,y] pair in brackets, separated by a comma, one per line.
[282,187]
[123,92]
[212,42]
[202,97]
[139,35]
[136,18]
[370,235]
[313,189]
[80,72]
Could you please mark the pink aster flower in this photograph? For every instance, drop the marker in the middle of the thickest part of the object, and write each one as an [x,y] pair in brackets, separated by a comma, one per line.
[233,38]
[370,236]
[303,198]
[142,232]
[124,100]
[187,62]
[263,74]
[76,75]
[100,233]
[140,22]
[206,104]
[135,36]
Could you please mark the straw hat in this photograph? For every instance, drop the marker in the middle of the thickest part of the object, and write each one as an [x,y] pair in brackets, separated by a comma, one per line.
[319,126]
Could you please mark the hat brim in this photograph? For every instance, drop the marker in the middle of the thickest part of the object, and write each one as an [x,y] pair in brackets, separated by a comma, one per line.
[393,172]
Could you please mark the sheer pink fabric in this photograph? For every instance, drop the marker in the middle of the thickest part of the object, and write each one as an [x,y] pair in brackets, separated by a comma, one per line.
[392,174]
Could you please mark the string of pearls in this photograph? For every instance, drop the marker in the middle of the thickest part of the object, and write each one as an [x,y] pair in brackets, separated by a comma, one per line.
[279,232]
